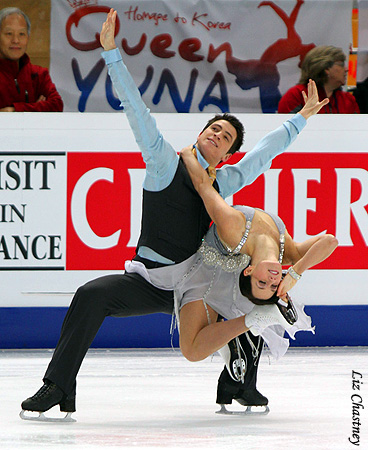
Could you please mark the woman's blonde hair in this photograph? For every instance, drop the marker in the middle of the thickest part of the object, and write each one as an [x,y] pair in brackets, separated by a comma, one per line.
[317,60]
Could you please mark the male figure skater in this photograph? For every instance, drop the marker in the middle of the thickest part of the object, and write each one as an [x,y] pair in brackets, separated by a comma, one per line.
[174,221]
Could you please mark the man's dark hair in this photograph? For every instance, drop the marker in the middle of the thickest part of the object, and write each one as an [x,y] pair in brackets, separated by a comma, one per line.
[235,122]
[246,290]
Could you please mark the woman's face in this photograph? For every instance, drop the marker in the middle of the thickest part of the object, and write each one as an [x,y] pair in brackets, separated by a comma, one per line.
[265,279]
[337,74]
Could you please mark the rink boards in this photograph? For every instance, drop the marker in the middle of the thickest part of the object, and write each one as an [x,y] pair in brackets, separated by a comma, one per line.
[70,187]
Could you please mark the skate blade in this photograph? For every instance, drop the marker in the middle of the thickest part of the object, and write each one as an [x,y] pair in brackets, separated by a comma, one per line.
[247,412]
[42,418]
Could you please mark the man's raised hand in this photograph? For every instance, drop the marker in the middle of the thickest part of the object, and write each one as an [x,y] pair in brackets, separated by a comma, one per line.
[312,104]
[107,35]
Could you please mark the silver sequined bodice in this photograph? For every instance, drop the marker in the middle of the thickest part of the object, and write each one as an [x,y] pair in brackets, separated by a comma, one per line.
[229,263]
[214,253]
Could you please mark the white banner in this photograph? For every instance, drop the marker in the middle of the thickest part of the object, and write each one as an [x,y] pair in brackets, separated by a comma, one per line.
[70,199]
[208,56]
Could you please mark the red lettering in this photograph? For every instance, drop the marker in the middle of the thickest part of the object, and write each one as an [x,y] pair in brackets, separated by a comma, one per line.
[188,47]
[180,19]
[133,14]
[159,45]
[209,24]
[137,48]
[130,11]
[214,52]
[75,18]
[196,18]
[219,25]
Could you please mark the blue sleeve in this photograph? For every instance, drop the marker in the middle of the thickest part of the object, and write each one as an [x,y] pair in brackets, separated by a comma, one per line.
[159,156]
[232,178]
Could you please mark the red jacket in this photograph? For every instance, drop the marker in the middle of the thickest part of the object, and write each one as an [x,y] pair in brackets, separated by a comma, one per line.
[22,87]
[340,102]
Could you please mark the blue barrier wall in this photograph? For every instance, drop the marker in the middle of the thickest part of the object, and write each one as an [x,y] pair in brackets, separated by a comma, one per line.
[40,328]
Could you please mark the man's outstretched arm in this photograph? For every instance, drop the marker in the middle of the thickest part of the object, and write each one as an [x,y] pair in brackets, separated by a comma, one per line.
[232,178]
[160,157]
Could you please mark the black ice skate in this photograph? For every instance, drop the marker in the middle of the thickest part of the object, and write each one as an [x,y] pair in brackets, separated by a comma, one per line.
[288,310]
[44,399]
[238,379]
[229,390]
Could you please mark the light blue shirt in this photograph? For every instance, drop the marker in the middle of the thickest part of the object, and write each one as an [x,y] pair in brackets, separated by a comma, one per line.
[161,158]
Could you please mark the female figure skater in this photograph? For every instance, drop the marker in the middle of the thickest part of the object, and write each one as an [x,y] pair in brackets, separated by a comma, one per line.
[239,264]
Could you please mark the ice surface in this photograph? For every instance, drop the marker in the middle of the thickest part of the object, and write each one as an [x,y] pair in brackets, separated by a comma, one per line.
[145,399]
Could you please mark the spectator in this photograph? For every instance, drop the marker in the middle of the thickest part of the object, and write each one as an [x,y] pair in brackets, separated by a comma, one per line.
[23,86]
[360,93]
[326,66]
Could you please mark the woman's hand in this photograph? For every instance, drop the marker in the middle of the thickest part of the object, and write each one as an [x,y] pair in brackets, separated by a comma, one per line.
[286,284]
[107,35]
[187,152]
[198,175]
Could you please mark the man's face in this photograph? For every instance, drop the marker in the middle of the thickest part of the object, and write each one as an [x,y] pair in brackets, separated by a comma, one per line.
[215,142]
[13,37]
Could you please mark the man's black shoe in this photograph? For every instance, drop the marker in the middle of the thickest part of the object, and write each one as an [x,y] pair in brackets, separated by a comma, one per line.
[48,396]
[251,397]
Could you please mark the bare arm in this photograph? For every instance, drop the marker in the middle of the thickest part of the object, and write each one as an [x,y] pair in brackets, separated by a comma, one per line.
[319,250]
[230,222]
[308,254]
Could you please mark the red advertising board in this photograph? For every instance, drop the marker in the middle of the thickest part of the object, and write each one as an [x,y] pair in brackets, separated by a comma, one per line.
[312,192]
[107,209]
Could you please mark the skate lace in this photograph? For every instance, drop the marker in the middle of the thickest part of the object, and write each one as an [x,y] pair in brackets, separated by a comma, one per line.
[238,349]
[255,350]
[44,390]
[173,327]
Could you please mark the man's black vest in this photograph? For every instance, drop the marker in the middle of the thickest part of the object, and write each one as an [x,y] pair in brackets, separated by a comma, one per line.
[174,220]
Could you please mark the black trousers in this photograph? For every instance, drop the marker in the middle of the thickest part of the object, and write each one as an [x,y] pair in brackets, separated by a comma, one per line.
[118,295]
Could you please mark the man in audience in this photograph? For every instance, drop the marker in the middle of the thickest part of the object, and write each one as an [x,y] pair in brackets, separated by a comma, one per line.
[23,86]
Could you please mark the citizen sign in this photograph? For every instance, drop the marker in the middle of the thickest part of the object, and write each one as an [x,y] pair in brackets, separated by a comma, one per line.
[313,193]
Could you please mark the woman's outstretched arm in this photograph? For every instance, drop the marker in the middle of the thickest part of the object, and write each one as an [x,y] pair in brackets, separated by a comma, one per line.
[306,255]
[230,222]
